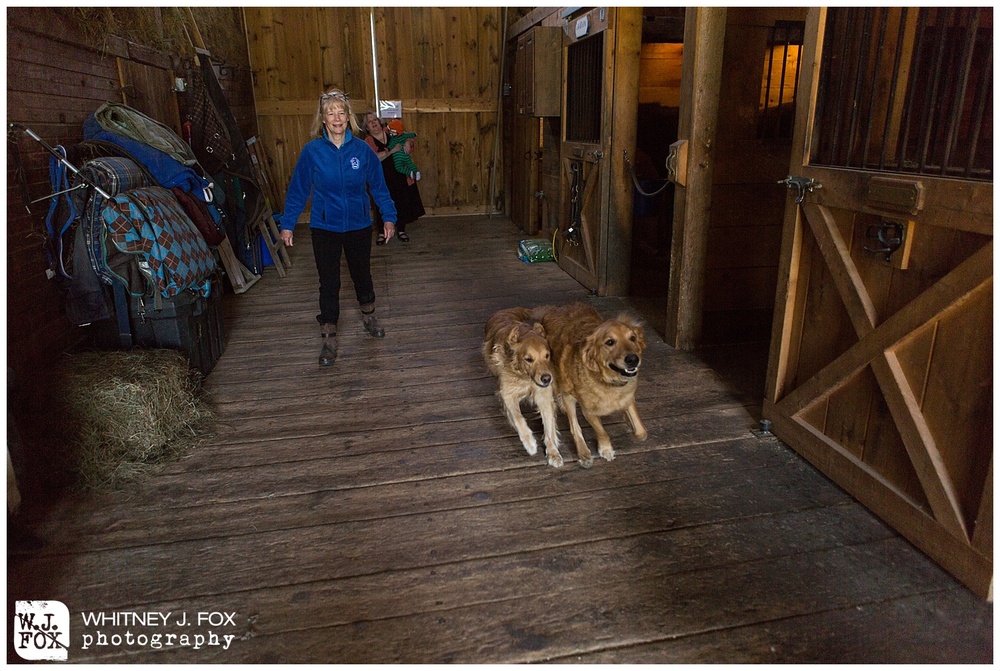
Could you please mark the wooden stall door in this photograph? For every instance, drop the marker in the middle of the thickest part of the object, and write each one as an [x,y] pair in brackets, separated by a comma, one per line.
[881,362]
[600,81]
[584,147]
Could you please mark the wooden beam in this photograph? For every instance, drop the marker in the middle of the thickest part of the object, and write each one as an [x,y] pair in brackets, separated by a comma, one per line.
[844,271]
[436,105]
[286,107]
[792,280]
[529,20]
[624,103]
[704,38]
[421,105]
[939,487]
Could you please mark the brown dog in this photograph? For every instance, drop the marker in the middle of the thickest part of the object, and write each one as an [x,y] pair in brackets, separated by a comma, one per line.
[597,366]
[517,352]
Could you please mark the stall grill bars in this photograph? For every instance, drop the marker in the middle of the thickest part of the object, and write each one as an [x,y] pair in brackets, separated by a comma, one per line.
[937,121]
[773,122]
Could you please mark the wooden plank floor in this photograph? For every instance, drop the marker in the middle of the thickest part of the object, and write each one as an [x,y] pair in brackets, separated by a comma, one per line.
[382,510]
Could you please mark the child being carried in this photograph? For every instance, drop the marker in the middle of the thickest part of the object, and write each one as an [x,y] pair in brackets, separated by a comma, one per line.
[401,160]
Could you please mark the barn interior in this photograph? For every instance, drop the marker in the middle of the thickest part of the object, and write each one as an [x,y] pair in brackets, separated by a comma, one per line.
[383,510]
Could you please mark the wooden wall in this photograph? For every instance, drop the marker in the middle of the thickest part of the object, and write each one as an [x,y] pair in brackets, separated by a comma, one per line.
[442,63]
[660,74]
[57,74]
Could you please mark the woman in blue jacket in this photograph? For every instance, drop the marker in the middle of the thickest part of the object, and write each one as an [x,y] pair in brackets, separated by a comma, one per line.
[339,171]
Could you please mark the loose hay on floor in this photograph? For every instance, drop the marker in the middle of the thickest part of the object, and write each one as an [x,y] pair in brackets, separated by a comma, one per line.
[127,411]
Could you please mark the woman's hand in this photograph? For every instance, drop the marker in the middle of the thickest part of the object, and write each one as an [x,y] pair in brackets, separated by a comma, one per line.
[388,230]
[286,237]
[408,146]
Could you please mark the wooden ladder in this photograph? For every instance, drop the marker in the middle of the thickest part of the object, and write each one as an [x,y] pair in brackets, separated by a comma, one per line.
[265,224]
[239,275]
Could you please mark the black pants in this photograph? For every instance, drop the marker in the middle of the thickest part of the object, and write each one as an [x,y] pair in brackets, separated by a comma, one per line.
[357,248]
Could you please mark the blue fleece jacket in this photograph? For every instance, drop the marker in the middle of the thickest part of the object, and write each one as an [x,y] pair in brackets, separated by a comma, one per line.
[337,179]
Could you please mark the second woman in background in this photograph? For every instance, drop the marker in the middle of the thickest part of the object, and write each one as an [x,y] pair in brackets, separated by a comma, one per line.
[402,188]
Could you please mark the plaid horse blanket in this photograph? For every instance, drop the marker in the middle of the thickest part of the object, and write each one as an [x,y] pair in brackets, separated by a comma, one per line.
[150,223]
[114,175]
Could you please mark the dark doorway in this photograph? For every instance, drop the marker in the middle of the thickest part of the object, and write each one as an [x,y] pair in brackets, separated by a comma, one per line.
[656,130]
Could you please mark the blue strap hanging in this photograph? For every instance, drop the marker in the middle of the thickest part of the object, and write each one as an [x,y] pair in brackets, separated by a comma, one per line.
[60,192]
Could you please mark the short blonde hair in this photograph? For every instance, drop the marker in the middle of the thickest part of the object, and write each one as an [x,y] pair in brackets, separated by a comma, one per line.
[333,98]
[370,111]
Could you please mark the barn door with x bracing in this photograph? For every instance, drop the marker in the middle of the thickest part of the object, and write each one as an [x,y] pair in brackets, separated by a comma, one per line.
[583,154]
[881,360]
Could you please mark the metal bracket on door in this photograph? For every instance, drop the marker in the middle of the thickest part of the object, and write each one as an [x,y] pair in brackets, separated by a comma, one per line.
[803,184]
[889,236]
[677,159]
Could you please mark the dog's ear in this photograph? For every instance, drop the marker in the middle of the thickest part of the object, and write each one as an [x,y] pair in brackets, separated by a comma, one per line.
[590,352]
[539,329]
[641,335]
[636,326]
[631,320]
[513,336]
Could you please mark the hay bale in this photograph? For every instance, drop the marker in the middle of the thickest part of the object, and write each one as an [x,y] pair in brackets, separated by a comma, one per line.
[124,412]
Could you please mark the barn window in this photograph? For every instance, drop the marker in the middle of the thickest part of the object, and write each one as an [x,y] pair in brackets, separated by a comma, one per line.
[907,90]
[781,69]
[584,74]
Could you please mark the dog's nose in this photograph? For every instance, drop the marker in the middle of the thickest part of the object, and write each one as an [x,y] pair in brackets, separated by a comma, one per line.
[631,360]
[546,379]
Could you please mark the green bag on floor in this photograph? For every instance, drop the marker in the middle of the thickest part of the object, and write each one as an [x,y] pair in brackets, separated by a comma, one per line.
[532,251]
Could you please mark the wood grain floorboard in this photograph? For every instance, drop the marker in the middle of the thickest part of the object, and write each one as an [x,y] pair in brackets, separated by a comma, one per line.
[383,511]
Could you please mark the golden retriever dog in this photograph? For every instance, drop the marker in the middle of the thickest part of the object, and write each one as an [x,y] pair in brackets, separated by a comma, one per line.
[597,367]
[517,353]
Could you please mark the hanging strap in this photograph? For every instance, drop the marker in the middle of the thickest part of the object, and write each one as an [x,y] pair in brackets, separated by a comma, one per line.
[60,190]
[576,206]
[122,313]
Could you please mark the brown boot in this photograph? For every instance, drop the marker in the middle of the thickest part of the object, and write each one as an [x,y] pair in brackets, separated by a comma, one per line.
[329,350]
[371,324]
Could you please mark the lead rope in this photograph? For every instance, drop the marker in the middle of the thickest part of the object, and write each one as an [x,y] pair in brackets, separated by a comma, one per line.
[572,235]
[635,180]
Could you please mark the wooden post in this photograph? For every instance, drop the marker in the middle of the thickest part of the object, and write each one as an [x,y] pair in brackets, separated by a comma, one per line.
[704,37]
[624,103]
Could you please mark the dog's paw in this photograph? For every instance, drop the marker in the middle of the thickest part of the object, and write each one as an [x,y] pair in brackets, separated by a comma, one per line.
[555,459]
[530,446]
[642,434]
[586,462]
[607,452]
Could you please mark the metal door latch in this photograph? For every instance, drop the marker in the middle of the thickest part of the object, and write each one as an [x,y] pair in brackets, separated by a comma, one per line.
[803,184]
